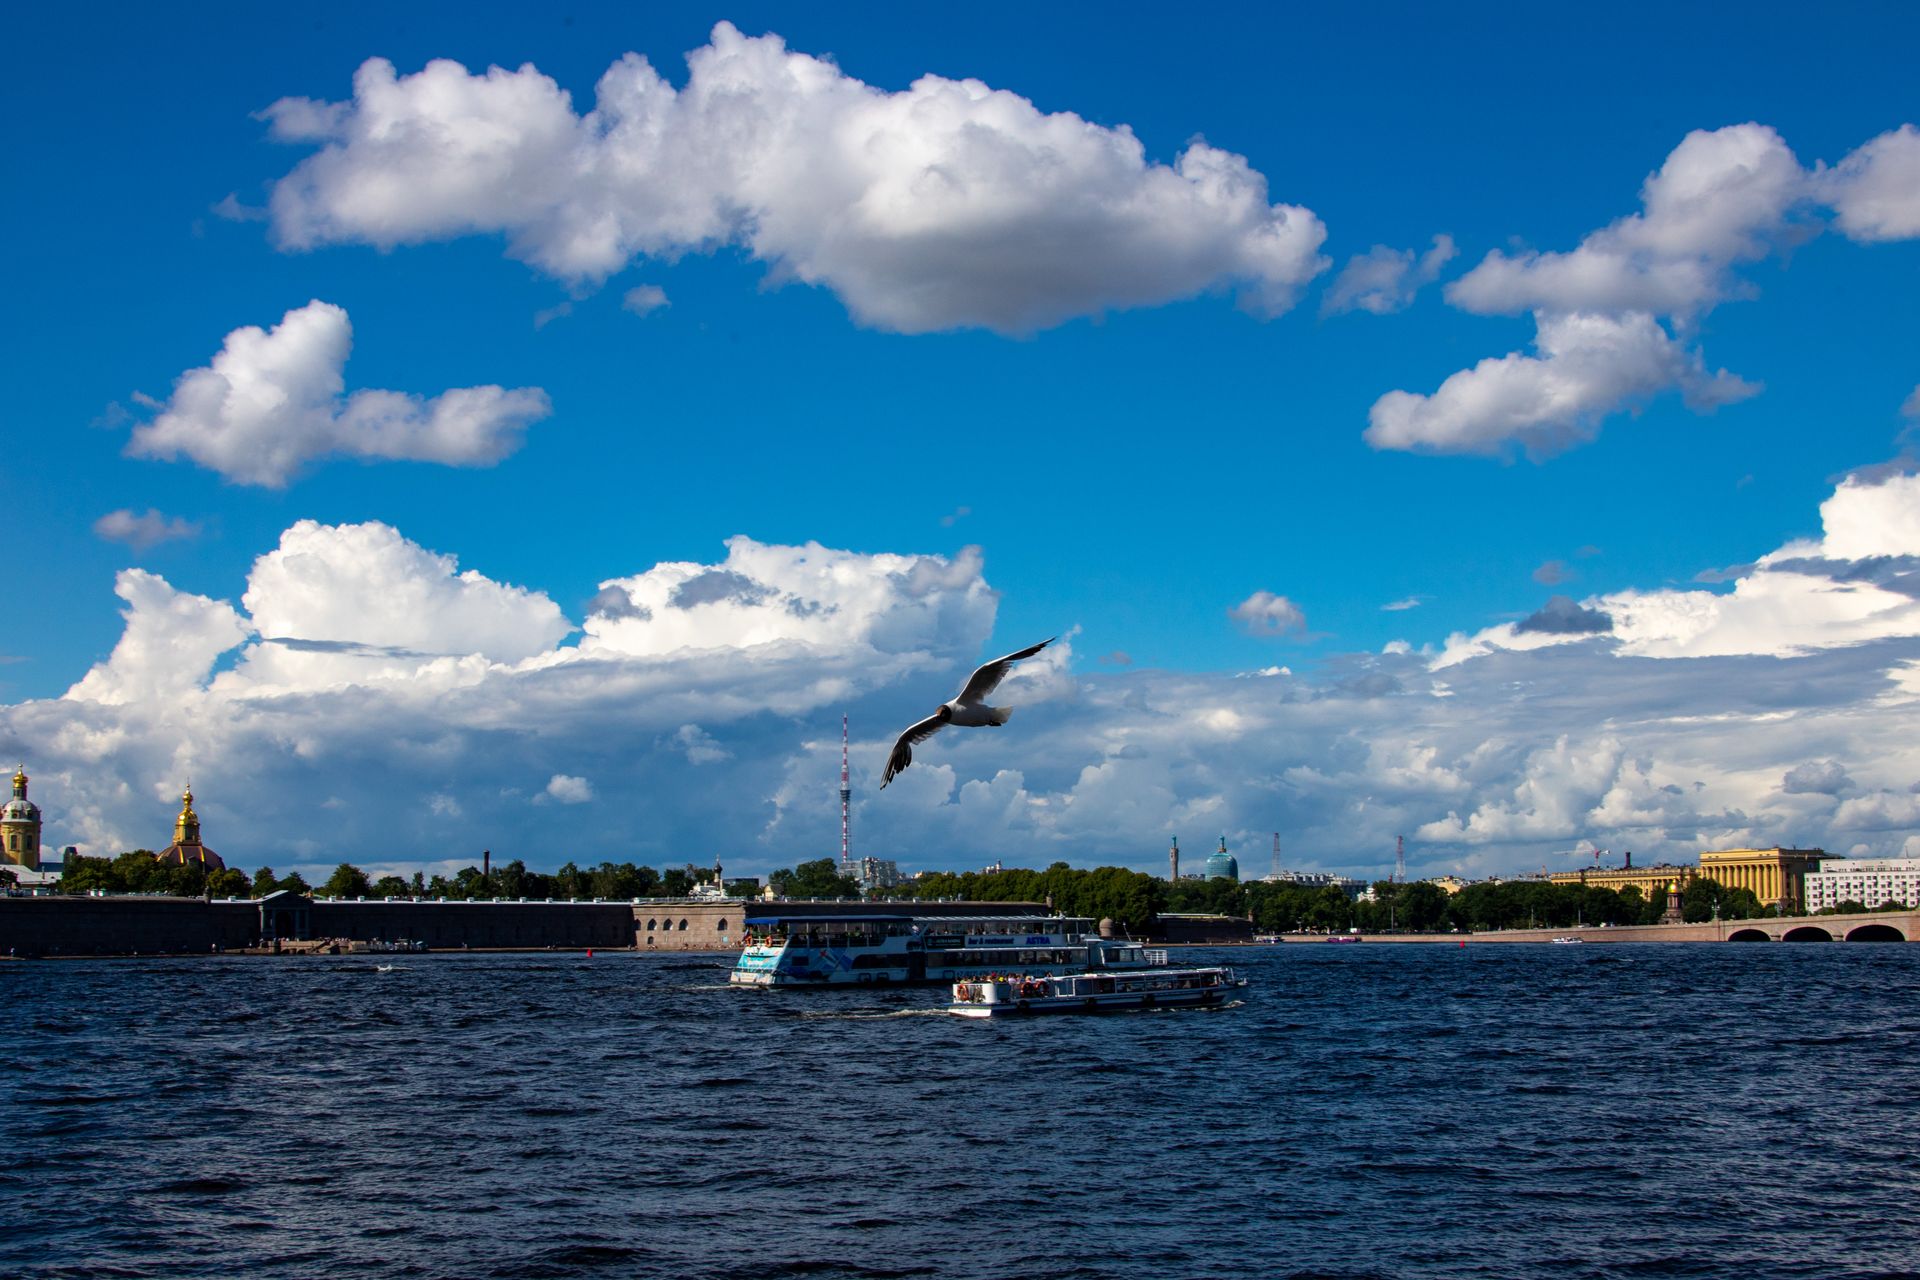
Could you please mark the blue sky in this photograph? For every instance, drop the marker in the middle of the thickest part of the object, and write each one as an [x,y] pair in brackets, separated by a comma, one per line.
[1130,473]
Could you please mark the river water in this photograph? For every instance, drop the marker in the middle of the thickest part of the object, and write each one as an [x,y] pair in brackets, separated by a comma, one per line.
[1608,1110]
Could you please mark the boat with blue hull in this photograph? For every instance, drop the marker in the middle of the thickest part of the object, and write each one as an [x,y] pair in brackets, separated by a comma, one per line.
[880,950]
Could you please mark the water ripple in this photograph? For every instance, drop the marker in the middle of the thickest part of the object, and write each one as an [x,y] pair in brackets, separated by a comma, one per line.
[1367,1112]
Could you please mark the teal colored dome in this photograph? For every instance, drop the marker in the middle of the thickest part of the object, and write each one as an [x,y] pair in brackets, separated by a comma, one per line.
[1221,864]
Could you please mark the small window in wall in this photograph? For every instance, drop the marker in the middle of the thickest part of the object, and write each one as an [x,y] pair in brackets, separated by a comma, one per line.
[650,925]
[722,926]
[683,924]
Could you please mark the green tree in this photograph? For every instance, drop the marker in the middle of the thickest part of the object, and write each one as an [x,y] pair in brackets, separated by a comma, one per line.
[293,882]
[227,882]
[819,878]
[347,881]
[514,881]
[390,887]
[264,882]
[1422,907]
[182,880]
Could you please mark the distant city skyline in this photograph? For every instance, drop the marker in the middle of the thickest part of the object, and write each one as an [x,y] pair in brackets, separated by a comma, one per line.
[468,428]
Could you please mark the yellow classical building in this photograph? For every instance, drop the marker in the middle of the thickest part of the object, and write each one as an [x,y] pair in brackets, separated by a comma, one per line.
[20,827]
[1778,877]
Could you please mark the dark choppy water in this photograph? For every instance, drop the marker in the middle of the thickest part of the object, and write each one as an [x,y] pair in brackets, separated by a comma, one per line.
[1369,1111]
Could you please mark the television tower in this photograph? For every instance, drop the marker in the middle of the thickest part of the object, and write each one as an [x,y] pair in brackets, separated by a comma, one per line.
[1173,862]
[1399,859]
[846,806]
[1276,855]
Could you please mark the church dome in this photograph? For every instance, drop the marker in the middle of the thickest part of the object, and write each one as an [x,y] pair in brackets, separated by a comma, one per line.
[20,809]
[1221,864]
[186,848]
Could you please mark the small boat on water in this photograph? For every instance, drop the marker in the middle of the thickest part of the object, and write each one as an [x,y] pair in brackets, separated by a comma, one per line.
[1567,940]
[1150,988]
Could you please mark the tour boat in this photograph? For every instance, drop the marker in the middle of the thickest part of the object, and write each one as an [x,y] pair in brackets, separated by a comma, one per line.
[838,951]
[1564,941]
[1155,986]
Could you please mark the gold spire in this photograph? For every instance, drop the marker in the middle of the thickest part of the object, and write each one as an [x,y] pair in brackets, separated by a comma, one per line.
[186,828]
[20,782]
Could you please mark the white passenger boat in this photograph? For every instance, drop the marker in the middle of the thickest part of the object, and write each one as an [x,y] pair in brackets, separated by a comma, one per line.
[1156,986]
[853,950]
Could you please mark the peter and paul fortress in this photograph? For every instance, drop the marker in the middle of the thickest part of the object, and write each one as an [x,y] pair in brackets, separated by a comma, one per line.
[186,849]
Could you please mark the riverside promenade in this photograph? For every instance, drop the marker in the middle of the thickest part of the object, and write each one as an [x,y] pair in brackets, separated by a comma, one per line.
[1872,926]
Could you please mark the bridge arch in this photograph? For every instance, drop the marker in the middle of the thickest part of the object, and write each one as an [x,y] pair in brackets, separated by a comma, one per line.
[1749,935]
[1876,933]
[1806,933]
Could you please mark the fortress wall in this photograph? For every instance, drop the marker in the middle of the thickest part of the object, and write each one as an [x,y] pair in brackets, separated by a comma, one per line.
[452,925]
[123,925]
[53,926]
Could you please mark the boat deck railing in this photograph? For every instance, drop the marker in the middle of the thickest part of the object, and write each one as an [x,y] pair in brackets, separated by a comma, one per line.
[1156,955]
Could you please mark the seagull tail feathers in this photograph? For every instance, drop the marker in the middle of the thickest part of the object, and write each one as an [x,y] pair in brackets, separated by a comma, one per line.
[1000,715]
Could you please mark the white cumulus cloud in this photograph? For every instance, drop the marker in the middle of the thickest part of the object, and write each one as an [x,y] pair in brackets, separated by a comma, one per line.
[422,706]
[567,789]
[1265,614]
[1856,584]
[146,530]
[1875,191]
[1385,280]
[1722,197]
[1587,367]
[273,400]
[1615,315]
[945,205]
[644,299]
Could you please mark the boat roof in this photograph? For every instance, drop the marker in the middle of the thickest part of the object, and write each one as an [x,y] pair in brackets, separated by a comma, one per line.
[1035,921]
[812,919]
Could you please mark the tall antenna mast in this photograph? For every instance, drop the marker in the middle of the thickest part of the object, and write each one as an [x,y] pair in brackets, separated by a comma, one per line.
[1399,859]
[846,807]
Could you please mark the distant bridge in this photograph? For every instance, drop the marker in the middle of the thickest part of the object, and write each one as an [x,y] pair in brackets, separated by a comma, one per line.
[1871,926]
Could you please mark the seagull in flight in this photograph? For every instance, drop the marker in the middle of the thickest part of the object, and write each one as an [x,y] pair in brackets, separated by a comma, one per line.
[969,710]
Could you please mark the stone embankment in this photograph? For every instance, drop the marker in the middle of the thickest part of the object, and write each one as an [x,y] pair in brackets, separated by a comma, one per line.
[1874,926]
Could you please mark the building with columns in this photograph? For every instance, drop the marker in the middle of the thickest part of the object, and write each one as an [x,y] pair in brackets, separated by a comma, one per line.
[1776,876]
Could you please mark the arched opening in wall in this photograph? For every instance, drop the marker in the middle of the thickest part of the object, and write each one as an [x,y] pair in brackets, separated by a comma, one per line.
[1749,935]
[1876,933]
[650,925]
[721,926]
[683,924]
[1807,933]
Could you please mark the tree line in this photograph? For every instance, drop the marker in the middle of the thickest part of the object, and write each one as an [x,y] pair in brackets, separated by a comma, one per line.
[1131,899]
[136,871]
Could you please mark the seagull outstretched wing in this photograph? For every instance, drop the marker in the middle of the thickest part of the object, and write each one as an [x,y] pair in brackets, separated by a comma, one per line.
[903,746]
[988,678]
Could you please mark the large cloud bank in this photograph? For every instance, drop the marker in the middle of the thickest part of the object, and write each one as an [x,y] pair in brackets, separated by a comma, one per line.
[272,400]
[947,205]
[1615,315]
[372,700]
